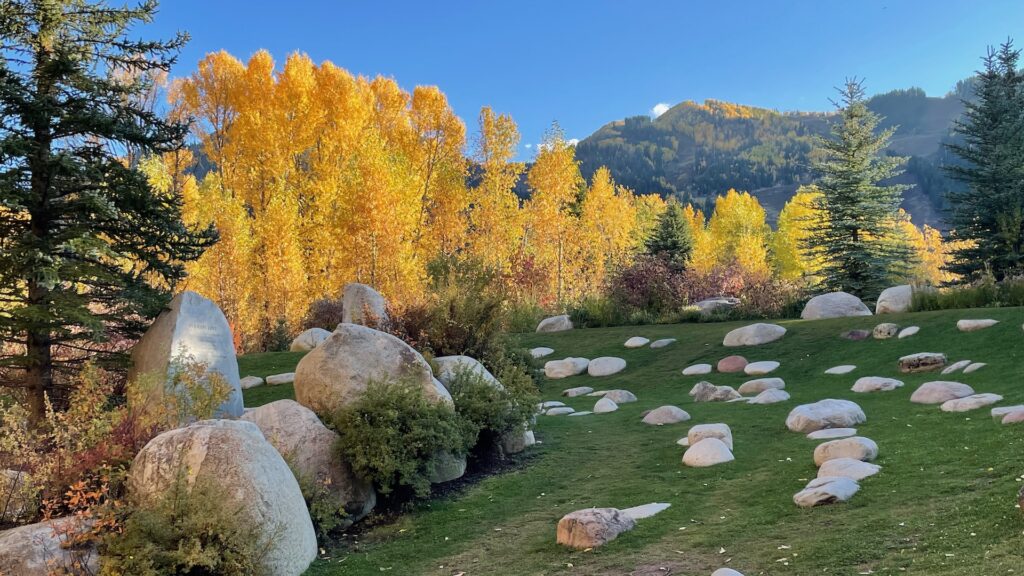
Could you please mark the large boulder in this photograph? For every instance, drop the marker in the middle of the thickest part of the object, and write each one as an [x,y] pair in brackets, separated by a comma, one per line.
[707,452]
[605,405]
[309,339]
[337,372]
[637,342]
[702,431]
[827,413]
[856,447]
[731,364]
[41,549]
[557,369]
[559,323]
[361,304]
[940,391]
[192,328]
[234,456]
[606,366]
[666,415]
[448,367]
[592,527]
[895,300]
[309,448]
[754,335]
[710,306]
[834,305]
[922,362]
[445,467]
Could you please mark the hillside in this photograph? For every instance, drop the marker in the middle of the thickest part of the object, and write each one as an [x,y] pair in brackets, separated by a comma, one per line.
[697,150]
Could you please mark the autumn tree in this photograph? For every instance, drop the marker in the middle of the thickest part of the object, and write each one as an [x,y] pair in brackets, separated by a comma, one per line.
[608,220]
[495,222]
[739,232]
[797,221]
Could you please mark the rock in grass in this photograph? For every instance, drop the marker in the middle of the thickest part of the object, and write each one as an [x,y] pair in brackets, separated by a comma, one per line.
[707,452]
[309,339]
[1001,411]
[550,404]
[895,300]
[856,447]
[834,305]
[855,335]
[577,391]
[829,433]
[559,323]
[760,368]
[726,572]
[770,396]
[592,527]
[637,342]
[922,362]
[645,510]
[843,369]
[559,411]
[662,343]
[955,366]
[583,413]
[605,405]
[974,367]
[666,415]
[279,379]
[851,468]
[731,364]
[972,402]
[250,382]
[702,431]
[975,324]
[909,331]
[620,396]
[1014,417]
[826,490]
[875,384]
[884,331]
[939,392]
[760,385]
[708,392]
[754,335]
[558,369]
[697,370]
[606,366]
[829,413]
[541,351]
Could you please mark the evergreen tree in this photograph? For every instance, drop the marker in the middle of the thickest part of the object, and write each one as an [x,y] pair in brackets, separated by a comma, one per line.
[88,249]
[989,213]
[672,238]
[858,241]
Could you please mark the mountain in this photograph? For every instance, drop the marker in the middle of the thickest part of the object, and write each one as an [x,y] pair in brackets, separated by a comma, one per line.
[695,151]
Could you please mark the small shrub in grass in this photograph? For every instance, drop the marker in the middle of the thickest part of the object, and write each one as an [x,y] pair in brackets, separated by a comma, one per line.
[390,434]
[492,412]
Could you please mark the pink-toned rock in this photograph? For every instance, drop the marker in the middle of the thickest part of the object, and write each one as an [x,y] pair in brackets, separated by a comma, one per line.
[592,527]
[1015,417]
[940,391]
[731,364]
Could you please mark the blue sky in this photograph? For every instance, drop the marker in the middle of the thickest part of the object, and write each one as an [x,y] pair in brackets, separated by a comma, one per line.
[587,63]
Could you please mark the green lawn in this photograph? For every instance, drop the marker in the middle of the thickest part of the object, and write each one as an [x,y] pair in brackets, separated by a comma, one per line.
[943,504]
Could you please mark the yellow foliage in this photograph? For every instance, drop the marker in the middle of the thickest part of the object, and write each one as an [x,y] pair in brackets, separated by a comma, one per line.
[797,221]
[738,232]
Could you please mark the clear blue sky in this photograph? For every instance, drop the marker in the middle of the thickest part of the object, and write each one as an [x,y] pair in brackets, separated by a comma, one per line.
[585,63]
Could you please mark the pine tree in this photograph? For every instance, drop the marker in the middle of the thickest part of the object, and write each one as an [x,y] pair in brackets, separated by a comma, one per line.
[857,241]
[88,249]
[672,239]
[988,216]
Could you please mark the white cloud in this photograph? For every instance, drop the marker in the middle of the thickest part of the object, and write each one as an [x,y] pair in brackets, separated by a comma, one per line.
[570,141]
[660,108]
[573,141]
[528,146]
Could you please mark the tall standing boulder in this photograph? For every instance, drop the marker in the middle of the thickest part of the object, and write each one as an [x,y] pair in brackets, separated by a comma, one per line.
[834,305]
[190,327]
[309,447]
[895,300]
[337,372]
[361,304]
[234,456]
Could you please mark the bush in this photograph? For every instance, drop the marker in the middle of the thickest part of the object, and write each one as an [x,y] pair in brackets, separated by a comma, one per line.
[390,435]
[523,316]
[492,413]
[986,293]
[324,313]
[649,285]
[598,311]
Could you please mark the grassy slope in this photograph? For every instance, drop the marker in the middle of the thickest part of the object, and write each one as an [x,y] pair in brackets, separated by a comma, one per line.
[944,503]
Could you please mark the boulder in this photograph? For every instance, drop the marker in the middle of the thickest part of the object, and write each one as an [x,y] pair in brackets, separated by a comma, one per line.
[830,433]
[39,549]
[770,396]
[234,456]
[885,330]
[754,335]
[279,379]
[550,404]
[707,452]
[709,306]
[760,368]
[1013,417]
[708,392]
[662,343]
[592,527]
[851,468]
[361,304]
[448,367]
[972,402]
[309,448]
[16,501]
[955,366]
[1000,412]
[826,490]
[855,335]
[541,351]
[665,415]
[193,328]
[856,447]
[309,339]
[697,370]
[606,366]
[445,467]
[895,300]
[732,364]
[834,305]
[513,443]
[909,331]
[939,392]
[559,411]
[559,323]
[875,384]
[577,391]
[702,431]
[557,369]
[827,413]
[922,362]
[726,572]
[337,372]
[760,385]
[605,405]
[974,367]
[843,369]
[250,382]
[974,325]
[620,396]
[637,342]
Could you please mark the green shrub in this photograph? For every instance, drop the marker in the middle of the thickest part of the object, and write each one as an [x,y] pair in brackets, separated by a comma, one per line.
[598,311]
[393,431]
[522,316]
[492,412]
[986,293]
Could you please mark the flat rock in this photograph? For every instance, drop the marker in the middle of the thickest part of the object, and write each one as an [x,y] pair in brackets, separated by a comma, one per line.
[842,369]
[598,393]
[829,413]
[577,391]
[697,370]
[760,385]
[309,339]
[666,415]
[851,468]
[708,392]
[834,305]
[876,384]
[939,392]
[541,351]
[605,405]
[770,396]
[702,431]
[760,368]
[754,335]
[972,402]
[856,447]
[646,510]
[606,366]
[637,342]
[856,335]
[592,527]
[885,330]
[895,300]
[1014,417]
[999,412]
[976,324]
[826,490]
[581,413]
[726,572]
[279,379]
[250,382]
[559,323]
[956,366]
[909,331]
[620,396]
[566,367]
[974,367]
[922,362]
[830,433]
[731,364]
[707,452]
[662,343]
[551,404]
[559,411]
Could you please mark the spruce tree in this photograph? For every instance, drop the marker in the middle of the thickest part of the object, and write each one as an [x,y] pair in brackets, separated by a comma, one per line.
[989,212]
[858,241]
[672,238]
[88,249]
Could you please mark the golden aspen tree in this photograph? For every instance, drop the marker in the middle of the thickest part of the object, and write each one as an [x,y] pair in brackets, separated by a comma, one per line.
[704,255]
[608,222]
[739,232]
[495,219]
[797,220]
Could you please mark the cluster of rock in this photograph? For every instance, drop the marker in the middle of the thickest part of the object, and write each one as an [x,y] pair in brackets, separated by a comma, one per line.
[707,445]
[609,401]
